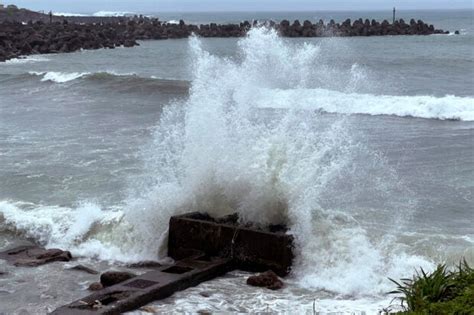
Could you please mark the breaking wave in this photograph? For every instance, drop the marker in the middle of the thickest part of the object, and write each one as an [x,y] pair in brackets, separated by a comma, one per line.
[449,107]
[112,13]
[104,76]
[59,77]
[220,152]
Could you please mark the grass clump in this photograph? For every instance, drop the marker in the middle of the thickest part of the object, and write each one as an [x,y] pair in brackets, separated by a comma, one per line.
[441,292]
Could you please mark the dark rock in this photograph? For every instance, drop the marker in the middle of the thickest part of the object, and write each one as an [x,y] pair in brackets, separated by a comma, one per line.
[68,34]
[456,32]
[205,294]
[268,280]
[95,286]
[145,264]
[33,256]
[84,269]
[110,278]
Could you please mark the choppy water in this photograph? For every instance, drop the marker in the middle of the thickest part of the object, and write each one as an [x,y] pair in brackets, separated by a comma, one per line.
[364,146]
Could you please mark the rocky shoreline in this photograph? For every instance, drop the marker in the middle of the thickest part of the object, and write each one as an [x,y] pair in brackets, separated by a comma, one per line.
[44,34]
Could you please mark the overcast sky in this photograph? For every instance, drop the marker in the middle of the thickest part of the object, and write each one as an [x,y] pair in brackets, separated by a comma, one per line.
[143,6]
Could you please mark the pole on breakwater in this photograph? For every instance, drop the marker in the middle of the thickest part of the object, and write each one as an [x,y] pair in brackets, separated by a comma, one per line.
[393,15]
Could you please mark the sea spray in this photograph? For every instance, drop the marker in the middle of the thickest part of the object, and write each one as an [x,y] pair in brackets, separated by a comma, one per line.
[226,149]
[220,152]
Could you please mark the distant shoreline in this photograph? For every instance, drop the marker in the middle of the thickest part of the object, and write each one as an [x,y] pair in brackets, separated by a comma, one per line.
[25,32]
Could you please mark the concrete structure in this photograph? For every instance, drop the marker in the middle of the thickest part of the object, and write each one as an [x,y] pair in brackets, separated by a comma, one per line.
[204,248]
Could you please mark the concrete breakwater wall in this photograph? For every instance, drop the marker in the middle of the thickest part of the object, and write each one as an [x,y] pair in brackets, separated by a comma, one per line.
[20,38]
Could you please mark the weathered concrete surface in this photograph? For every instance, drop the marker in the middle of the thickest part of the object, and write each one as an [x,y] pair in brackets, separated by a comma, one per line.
[32,256]
[151,286]
[204,248]
[250,249]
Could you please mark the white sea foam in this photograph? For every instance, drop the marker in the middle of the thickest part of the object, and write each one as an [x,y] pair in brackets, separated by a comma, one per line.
[63,77]
[447,107]
[28,59]
[60,77]
[112,13]
[85,229]
[68,14]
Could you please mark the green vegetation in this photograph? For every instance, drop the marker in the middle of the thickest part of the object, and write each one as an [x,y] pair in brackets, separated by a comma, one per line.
[441,292]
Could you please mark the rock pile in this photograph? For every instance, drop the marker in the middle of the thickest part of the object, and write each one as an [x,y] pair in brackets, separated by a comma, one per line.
[20,38]
[33,256]
[17,39]
[357,28]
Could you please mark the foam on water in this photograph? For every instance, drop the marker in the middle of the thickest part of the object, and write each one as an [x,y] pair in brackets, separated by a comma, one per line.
[60,77]
[63,77]
[28,59]
[448,107]
[112,13]
[220,152]
[68,14]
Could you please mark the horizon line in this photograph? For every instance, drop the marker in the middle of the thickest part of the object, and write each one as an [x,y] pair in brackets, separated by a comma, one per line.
[273,11]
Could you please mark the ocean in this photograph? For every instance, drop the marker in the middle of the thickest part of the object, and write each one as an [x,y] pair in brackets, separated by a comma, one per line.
[364,147]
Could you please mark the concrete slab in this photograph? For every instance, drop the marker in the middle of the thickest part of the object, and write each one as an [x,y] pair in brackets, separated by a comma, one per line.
[250,249]
[151,286]
[204,248]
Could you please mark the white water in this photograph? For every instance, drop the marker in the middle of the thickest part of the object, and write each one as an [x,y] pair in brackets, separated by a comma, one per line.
[28,59]
[112,13]
[59,77]
[448,107]
[68,14]
[220,152]
[314,98]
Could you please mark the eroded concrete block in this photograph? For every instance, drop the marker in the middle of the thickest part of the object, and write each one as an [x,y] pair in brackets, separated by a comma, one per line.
[250,249]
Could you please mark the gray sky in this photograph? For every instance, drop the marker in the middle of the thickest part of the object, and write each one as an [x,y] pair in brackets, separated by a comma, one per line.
[143,6]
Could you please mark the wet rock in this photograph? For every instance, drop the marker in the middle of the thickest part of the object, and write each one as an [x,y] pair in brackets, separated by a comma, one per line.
[145,264]
[95,286]
[268,280]
[68,34]
[205,294]
[110,278]
[84,269]
[149,309]
[33,256]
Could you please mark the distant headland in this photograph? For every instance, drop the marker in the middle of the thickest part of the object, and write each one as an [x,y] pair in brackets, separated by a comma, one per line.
[25,32]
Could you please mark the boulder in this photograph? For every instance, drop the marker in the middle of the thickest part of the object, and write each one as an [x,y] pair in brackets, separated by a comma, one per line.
[267,279]
[33,256]
[145,264]
[84,269]
[95,286]
[110,278]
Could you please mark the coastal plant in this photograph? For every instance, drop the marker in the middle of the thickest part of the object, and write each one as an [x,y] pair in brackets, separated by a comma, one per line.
[440,292]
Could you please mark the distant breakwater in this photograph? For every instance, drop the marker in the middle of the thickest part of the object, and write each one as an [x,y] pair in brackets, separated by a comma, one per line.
[18,38]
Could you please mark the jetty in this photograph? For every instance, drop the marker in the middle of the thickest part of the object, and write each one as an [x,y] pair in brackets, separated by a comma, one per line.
[24,32]
[203,248]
